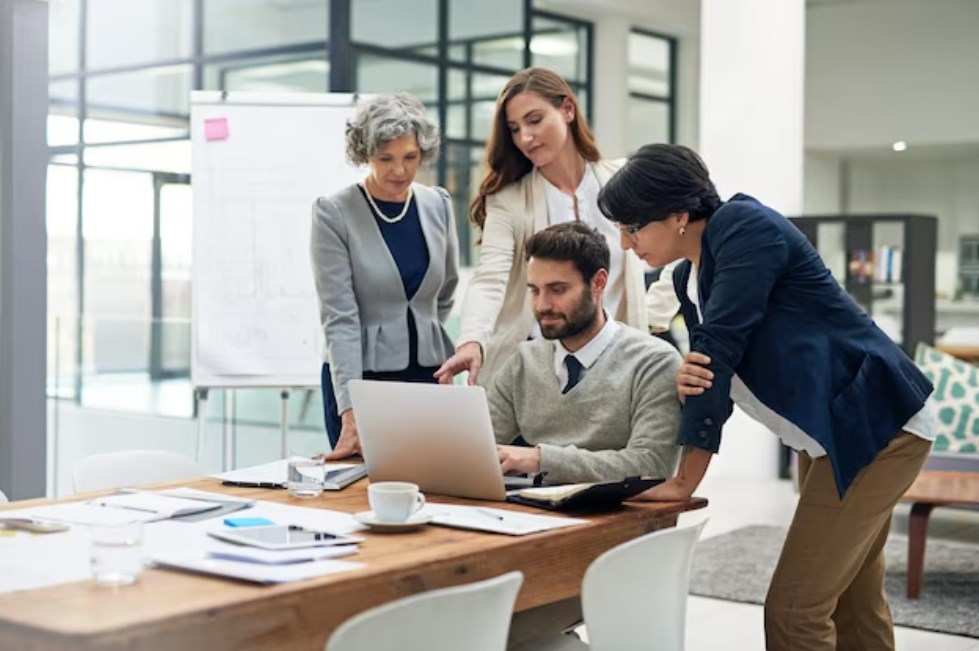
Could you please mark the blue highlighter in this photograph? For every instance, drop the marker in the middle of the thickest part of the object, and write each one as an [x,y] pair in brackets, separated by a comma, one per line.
[247,522]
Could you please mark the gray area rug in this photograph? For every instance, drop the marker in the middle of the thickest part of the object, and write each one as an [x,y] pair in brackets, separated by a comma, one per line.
[738,566]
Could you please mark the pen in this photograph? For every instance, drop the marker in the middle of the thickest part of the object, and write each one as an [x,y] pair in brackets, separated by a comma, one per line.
[490,514]
[252,484]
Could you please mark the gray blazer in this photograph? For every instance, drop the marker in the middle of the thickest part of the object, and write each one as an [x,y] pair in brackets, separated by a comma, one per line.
[363,307]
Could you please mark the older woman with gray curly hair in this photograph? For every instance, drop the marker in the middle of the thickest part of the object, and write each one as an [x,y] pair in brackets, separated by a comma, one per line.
[384,259]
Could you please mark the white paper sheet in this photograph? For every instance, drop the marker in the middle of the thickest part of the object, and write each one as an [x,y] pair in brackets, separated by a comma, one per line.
[281,557]
[255,572]
[194,494]
[35,561]
[164,506]
[84,513]
[512,523]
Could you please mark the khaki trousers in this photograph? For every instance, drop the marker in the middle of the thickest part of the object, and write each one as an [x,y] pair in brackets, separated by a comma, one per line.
[828,588]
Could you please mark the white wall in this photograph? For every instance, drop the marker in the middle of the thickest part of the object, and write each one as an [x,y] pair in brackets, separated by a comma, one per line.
[822,191]
[946,187]
[878,72]
[751,98]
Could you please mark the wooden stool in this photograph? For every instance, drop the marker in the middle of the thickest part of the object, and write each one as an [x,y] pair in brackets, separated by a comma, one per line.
[931,489]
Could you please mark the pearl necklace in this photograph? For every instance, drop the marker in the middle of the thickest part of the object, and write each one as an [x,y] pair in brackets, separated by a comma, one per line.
[377,211]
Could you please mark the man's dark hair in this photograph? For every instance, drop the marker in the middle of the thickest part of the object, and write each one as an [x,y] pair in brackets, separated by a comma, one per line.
[571,242]
[656,182]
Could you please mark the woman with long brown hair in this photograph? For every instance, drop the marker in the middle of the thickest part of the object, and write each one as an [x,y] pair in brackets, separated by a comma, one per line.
[543,168]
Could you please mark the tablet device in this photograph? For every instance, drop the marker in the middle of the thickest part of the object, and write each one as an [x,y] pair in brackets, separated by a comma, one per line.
[284,537]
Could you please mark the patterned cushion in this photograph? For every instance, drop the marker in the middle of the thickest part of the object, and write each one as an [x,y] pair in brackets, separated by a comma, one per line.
[956,399]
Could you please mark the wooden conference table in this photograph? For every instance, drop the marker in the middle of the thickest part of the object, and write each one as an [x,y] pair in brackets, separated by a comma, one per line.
[167,610]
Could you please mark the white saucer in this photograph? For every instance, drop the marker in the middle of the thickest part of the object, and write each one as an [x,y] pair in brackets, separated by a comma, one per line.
[414,522]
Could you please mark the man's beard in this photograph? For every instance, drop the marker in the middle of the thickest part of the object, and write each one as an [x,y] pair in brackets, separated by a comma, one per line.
[580,319]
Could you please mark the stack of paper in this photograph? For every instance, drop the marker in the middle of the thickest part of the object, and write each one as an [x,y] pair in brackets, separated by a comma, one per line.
[133,506]
[513,523]
[256,572]
[273,475]
[190,547]
[162,506]
[261,565]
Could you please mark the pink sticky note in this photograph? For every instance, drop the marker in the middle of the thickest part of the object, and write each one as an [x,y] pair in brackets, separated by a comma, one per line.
[216,129]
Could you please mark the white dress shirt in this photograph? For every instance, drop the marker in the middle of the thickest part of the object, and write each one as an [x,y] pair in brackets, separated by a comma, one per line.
[560,209]
[587,354]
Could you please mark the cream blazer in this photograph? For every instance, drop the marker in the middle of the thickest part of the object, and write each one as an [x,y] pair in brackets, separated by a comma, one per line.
[496,312]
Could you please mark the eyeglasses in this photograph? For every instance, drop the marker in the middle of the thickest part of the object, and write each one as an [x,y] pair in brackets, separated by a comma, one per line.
[632,231]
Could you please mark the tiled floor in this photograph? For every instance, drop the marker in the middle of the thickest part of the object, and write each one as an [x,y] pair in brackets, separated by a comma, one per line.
[716,624]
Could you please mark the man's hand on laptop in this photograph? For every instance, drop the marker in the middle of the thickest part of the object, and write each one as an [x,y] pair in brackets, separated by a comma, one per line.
[518,460]
[349,443]
[468,357]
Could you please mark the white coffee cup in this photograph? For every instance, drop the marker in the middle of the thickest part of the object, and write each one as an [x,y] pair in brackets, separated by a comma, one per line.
[394,501]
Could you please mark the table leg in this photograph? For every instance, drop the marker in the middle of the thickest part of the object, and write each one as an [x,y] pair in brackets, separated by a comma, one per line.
[917,535]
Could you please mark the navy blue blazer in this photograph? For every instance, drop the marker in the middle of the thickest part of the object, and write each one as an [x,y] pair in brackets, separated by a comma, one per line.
[774,315]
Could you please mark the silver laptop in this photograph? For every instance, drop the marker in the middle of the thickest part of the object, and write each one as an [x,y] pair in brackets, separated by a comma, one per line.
[439,437]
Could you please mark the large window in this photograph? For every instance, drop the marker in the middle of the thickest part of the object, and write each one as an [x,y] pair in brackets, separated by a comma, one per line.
[120,206]
[651,80]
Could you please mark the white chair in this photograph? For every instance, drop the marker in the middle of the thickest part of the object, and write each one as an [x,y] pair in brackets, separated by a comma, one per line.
[634,596]
[3,498]
[475,617]
[132,467]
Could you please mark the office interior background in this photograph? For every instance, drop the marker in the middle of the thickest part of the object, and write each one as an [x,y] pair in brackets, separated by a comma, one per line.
[854,77]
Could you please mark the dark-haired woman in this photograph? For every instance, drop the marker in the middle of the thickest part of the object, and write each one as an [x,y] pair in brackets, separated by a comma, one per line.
[772,331]
[543,169]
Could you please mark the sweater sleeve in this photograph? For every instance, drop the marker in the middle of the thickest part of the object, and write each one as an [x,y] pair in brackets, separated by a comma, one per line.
[651,450]
[500,399]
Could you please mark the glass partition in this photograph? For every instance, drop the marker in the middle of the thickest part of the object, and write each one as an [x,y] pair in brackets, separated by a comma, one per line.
[120,205]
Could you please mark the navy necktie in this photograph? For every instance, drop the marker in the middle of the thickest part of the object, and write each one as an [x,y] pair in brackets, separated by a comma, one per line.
[574,372]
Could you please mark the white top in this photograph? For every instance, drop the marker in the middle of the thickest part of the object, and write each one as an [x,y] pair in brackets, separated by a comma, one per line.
[922,424]
[587,354]
[560,209]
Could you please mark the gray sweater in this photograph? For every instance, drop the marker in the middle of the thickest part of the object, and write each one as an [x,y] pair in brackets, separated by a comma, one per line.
[620,420]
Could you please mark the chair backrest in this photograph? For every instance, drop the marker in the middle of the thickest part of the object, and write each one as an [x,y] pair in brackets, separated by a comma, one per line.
[132,467]
[475,617]
[3,498]
[634,596]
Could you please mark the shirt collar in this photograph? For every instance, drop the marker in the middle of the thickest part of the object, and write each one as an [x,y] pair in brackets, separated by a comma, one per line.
[590,352]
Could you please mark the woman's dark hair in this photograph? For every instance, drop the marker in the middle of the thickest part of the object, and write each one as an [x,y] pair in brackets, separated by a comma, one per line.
[656,182]
[505,163]
[571,242]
